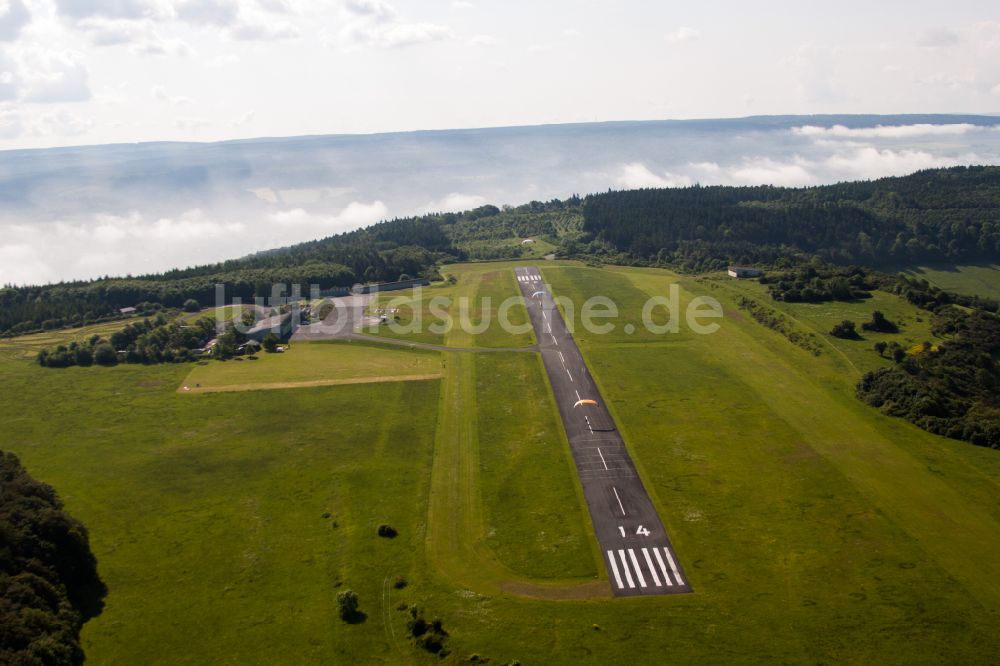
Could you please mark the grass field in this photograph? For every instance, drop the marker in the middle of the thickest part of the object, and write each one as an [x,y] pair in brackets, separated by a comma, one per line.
[977,280]
[813,529]
[421,320]
[305,362]
[535,520]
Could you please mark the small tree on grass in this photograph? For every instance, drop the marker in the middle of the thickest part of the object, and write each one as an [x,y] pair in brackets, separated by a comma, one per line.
[270,342]
[880,323]
[880,347]
[387,531]
[347,605]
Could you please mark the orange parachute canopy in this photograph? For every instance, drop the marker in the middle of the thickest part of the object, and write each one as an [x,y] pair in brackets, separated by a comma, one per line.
[585,402]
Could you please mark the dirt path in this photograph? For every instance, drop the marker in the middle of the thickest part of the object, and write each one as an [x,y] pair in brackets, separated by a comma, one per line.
[316,382]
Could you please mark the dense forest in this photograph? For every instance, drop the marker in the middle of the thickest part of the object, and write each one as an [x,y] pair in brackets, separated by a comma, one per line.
[48,575]
[931,216]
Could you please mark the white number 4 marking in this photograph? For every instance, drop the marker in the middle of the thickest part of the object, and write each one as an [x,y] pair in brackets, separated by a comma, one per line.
[642,530]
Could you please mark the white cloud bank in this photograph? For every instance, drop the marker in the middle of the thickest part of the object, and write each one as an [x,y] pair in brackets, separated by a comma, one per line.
[854,163]
[132,244]
[919,130]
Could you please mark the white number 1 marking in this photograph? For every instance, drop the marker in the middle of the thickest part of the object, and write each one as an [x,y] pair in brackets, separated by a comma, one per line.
[622,530]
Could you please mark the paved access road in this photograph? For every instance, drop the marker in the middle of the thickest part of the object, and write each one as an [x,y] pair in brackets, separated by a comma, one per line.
[637,552]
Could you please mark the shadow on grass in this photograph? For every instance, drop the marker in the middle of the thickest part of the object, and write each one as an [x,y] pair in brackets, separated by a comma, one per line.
[357,617]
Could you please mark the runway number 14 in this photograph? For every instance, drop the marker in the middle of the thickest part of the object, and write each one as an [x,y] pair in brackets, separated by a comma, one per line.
[642,531]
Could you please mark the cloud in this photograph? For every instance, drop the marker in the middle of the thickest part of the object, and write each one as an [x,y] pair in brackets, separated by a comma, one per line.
[377,24]
[244,118]
[373,9]
[158,47]
[886,131]
[454,203]
[276,6]
[53,76]
[13,16]
[192,124]
[843,164]
[461,4]
[161,94]
[483,40]
[937,38]
[110,32]
[209,12]
[636,175]
[397,35]
[682,34]
[132,243]
[308,225]
[264,31]
[124,9]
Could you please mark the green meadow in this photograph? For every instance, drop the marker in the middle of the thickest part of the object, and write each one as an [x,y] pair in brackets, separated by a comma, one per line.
[303,362]
[971,280]
[813,528]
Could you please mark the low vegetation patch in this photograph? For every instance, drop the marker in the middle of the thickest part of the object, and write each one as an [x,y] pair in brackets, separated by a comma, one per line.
[949,388]
[778,322]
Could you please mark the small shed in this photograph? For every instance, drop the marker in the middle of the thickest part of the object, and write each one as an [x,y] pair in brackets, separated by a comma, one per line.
[744,272]
[127,311]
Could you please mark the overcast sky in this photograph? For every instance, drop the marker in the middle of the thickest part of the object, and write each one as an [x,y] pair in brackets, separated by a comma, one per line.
[100,71]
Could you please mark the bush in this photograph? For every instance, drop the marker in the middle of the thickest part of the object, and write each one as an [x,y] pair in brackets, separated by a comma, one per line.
[191,305]
[845,330]
[387,531]
[400,583]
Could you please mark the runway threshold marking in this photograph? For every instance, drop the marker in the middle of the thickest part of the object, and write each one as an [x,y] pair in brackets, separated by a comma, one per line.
[622,507]
[673,566]
[628,574]
[638,571]
[659,560]
[614,569]
[652,571]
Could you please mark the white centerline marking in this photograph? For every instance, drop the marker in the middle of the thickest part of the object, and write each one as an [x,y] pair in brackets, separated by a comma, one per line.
[652,570]
[638,571]
[578,396]
[602,458]
[570,374]
[614,569]
[620,502]
[562,358]
[628,576]
[673,566]
[554,339]
[659,560]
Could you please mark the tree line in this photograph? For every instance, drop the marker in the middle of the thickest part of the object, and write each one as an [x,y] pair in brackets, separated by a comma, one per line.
[49,585]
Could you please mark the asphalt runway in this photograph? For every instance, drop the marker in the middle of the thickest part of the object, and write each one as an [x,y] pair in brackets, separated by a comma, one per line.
[638,555]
